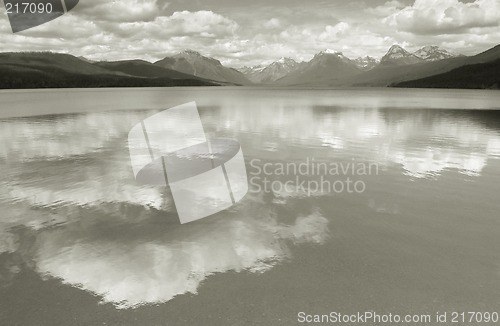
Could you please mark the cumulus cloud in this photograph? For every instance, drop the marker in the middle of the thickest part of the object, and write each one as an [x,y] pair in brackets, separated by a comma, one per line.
[388,8]
[181,24]
[353,39]
[153,29]
[120,11]
[446,16]
[95,37]
[334,33]
[272,23]
[186,22]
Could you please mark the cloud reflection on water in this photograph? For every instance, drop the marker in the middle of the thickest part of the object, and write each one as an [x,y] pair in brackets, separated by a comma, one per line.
[423,142]
[135,271]
[68,180]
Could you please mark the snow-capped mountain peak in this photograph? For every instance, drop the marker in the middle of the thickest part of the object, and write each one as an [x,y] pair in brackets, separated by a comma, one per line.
[272,72]
[399,56]
[330,51]
[285,62]
[253,69]
[433,53]
[191,52]
[366,63]
[397,51]
[328,54]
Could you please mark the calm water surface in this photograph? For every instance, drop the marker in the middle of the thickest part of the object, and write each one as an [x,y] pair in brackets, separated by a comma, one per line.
[80,240]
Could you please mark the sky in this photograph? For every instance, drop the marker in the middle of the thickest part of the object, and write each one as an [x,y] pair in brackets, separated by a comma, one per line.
[240,33]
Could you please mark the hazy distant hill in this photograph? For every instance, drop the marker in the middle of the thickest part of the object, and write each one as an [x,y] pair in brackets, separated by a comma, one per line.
[486,56]
[141,68]
[480,75]
[193,63]
[47,60]
[50,70]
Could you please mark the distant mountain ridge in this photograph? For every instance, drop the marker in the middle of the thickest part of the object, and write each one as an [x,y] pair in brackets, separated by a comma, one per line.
[271,73]
[326,68]
[479,71]
[40,61]
[141,68]
[366,63]
[58,70]
[399,56]
[392,75]
[476,76]
[433,53]
[193,63]
[333,68]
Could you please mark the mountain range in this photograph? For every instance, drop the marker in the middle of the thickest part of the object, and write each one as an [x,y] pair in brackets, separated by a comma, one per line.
[398,56]
[193,63]
[398,67]
[58,70]
[366,63]
[324,67]
[268,74]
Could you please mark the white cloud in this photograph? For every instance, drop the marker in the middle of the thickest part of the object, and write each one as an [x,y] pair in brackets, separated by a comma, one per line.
[334,33]
[182,23]
[150,30]
[103,39]
[445,16]
[388,8]
[120,11]
[273,23]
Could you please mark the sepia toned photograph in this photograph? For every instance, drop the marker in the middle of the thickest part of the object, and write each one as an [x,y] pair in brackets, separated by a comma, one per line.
[241,163]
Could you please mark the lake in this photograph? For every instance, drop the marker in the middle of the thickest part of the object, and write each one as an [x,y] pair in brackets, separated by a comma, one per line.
[418,232]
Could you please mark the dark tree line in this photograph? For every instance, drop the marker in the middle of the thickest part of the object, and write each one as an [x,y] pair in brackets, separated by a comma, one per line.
[477,76]
[10,79]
